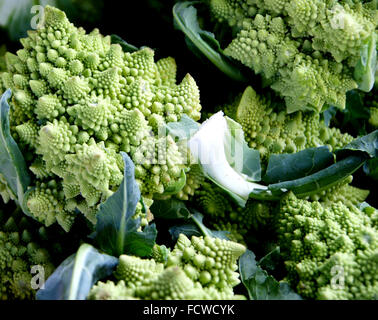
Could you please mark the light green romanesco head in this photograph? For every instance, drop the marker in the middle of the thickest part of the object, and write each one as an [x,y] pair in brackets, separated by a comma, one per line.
[306,49]
[331,250]
[78,100]
[349,195]
[210,261]
[200,268]
[273,132]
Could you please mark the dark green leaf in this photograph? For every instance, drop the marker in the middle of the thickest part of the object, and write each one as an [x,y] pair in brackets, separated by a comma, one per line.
[188,229]
[185,18]
[350,159]
[76,275]
[355,108]
[198,220]
[116,230]
[170,209]
[259,284]
[271,260]
[356,114]
[126,47]
[12,163]
[322,179]
[371,168]
[196,228]
[367,144]
[364,72]
[285,167]
[247,265]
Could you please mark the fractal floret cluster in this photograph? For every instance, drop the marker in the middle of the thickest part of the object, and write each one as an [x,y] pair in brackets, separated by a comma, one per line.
[272,131]
[197,268]
[22,246]
[306,50]
[78,100]
[222,213]
[330,249]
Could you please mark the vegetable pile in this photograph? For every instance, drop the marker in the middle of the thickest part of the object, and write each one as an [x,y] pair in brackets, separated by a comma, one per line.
[117,183]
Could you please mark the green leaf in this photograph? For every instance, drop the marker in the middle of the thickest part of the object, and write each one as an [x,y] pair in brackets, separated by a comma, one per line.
[364,71]
[371,168]
[116,231]
[170,209]
[259,284]
[320,180]
[188,229]
[367,144]
[185,19]
[251,163]
[355,108]
[198,220]
[126,47]
[12,163]
[355,116]
[350,159]
[285,167]
[270,261]
[76,275]
[177,209]
[183,129]
[176,186]
[197,228]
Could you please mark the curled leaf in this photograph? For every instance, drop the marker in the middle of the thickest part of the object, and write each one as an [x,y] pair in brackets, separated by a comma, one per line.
[76,275]
[117,231]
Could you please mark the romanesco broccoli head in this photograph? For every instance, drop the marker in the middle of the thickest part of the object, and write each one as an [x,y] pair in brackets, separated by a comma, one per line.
[273,131]
[78,100]
[343,191]
[200,268]
[330,251]
[111,291]
[210,261]
[21,248]
[307,50]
